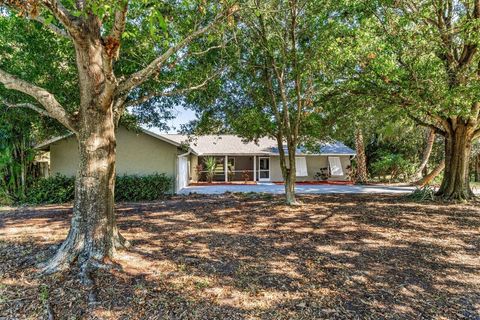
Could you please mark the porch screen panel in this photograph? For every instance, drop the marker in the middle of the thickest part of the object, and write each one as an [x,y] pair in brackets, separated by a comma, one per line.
[335,166]
[301,166]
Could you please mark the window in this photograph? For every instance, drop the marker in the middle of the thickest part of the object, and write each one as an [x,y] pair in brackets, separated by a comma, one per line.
[301,166]
[335,166]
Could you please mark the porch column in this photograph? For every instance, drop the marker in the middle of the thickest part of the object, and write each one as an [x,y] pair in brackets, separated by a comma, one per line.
[225,167]
[254,168]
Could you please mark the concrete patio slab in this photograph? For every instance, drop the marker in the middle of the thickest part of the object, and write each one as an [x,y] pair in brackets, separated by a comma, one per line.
[300,189]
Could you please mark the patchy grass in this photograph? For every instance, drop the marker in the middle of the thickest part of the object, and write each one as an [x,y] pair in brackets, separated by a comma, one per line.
[247,257]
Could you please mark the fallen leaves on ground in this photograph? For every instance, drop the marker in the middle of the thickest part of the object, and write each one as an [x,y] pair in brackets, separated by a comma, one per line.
[251,257]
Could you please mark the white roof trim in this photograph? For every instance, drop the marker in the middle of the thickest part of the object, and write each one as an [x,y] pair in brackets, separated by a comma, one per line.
[153,134]
[150,133]
[50,141]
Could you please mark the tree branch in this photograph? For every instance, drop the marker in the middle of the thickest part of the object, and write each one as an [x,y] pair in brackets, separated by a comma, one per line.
[426,124]
[45,98]
[476,134]
[120,21]
[170,93]
[52,27]
[10,105]
[63,15]
[141,76]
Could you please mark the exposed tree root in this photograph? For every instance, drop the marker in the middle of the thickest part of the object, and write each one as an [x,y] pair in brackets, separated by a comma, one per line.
[294,203]
[463,195]
[75,249]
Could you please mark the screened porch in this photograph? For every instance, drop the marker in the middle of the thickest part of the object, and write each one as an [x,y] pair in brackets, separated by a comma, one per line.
[230,168]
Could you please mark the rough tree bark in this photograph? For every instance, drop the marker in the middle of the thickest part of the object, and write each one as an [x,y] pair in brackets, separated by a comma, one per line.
[426,154]
[93,237]
[362,173]
[288,166]
[458,146]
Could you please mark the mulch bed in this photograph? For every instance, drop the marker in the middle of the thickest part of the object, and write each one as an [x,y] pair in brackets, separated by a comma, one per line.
[251,257]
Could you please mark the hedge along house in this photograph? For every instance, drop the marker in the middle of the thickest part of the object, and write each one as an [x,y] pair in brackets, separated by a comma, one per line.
[183,158]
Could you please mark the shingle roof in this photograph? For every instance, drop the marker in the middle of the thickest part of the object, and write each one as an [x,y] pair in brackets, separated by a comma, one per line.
[234,145]
[231,145]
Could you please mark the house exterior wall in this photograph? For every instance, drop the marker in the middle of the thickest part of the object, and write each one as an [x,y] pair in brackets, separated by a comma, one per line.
[314,163]
[137,153]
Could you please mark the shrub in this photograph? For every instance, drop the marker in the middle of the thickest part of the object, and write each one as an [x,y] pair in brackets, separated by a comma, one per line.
[422,194]
[5,199]
[54,189]
[392,165]
[210,167]
[61,189]
[138,188]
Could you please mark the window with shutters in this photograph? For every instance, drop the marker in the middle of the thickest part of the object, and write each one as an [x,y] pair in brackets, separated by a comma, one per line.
[301,166]
[335,166]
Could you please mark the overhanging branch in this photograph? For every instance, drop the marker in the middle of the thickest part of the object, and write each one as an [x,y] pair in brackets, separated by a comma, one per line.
[419,121]
[170,93]
[141,76]
[10,105]
[53,108]
[52,27]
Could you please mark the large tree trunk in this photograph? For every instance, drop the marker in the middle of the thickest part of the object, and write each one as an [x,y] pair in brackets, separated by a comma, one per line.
[458,146]
[362,173]
[93,236]
[426,154]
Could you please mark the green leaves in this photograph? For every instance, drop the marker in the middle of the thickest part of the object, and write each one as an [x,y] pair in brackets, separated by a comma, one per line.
[61,189]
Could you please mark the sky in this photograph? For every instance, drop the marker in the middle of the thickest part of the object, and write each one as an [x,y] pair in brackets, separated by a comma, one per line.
[183,117]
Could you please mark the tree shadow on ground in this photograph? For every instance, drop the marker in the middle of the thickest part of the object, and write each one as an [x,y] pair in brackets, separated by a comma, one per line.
[237,257]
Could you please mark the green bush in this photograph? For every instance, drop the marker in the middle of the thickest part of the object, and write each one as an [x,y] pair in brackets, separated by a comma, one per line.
[61,189]
[138,188]
[55,189]
[392,166]
[422,194]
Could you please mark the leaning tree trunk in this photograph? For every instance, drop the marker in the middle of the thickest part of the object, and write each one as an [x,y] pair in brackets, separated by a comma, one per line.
[426,154]
[362,173]
[432,175]
[93,236]
[458,146]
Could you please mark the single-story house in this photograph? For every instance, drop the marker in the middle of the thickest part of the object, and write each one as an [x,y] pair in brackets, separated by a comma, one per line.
[183,158]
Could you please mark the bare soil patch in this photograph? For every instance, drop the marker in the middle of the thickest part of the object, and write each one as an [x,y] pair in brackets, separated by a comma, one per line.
[247,257]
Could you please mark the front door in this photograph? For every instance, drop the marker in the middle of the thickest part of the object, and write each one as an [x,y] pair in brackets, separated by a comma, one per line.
[263,169]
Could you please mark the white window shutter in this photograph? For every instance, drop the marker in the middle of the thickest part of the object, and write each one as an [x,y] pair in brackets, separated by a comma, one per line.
[301,166]
[335,166]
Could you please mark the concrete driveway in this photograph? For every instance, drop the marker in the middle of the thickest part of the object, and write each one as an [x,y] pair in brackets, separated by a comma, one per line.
[300,189]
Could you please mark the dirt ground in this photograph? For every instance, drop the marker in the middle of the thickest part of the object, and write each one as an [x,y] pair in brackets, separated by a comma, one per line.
[247,257]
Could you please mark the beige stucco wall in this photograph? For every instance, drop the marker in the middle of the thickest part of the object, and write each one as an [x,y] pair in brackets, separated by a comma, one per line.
[137,153]
[314,163]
